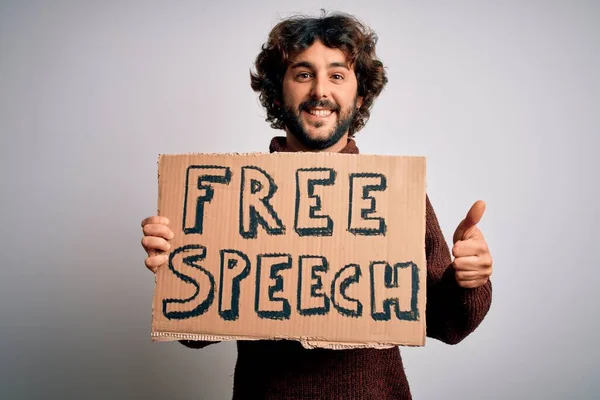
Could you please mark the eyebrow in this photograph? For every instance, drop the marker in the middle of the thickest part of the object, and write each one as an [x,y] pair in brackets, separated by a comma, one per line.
[306,64]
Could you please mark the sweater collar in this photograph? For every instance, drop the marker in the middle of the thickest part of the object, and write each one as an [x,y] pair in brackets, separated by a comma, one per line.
[279,144]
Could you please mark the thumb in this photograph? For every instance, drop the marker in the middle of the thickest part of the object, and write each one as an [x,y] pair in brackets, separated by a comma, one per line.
[467,225]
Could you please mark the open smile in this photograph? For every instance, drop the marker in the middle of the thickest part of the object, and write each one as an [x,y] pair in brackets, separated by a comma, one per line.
[319,113]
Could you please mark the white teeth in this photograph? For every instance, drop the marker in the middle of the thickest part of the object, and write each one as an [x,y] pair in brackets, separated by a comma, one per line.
[321,113]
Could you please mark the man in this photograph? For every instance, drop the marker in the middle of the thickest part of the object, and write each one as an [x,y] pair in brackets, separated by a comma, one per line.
[318,79]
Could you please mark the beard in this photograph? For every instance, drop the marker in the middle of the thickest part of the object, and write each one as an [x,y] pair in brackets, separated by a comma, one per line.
[291,119]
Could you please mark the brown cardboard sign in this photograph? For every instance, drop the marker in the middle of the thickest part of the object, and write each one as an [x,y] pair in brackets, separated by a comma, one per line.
[324,248]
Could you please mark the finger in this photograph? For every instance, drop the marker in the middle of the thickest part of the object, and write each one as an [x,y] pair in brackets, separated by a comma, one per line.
[153,243]
[462,233]
[469,275]
[153,263]
[158,230]
[475,213]
[471,263]
[472,284]
[155,219]
[467,227]
[470,247]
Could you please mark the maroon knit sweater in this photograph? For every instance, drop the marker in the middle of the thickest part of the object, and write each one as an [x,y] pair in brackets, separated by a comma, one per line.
[291,372]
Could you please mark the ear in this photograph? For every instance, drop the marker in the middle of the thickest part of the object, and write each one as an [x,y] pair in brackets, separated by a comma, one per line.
[359,102]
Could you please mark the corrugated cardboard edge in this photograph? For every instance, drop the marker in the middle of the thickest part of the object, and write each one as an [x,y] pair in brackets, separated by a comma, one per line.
[424,285]
[307,343]
[291,153]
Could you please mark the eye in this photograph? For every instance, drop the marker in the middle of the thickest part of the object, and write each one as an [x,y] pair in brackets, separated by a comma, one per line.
[337,76]
[303,76]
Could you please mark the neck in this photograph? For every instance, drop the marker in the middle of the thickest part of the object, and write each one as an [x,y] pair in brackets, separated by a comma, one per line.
[294,144]
[281,144]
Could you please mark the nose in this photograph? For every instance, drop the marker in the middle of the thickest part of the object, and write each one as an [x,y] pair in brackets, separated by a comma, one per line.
[320,87]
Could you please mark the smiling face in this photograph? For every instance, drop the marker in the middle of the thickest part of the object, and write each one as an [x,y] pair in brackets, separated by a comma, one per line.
[320,97]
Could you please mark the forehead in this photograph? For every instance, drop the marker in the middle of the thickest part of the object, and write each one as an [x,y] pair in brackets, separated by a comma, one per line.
[318,54]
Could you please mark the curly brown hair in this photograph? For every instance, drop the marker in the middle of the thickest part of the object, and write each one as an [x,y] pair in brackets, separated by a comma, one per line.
[291,36]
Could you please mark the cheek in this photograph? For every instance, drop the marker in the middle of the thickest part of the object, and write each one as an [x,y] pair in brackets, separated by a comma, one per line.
[294,93]
[288,90]
[346,97]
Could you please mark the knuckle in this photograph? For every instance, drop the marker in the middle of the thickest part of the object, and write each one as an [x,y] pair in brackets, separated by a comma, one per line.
[155,220]
[166,232]
[162,244]
[458,264]
[455,250]
[147,220]
[162,231]
[152,242]
[484,247]
[155,261]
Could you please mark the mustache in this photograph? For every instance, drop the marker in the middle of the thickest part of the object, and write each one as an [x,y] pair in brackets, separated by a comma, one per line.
[312,103]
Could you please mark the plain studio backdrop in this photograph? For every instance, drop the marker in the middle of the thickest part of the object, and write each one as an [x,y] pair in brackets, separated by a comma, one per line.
[501,97]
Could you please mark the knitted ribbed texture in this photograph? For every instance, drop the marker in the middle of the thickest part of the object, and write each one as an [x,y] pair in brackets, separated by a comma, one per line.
[284,370]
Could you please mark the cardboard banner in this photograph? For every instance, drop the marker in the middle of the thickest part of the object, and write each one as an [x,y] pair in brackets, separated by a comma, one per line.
[324,248]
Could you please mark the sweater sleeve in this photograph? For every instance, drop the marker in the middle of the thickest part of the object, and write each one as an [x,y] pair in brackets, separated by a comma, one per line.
[452,312]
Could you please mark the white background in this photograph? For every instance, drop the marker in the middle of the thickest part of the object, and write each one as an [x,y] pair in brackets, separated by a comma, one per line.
[501,97]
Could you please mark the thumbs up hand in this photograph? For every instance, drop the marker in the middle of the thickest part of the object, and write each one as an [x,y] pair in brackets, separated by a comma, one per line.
[472,258]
